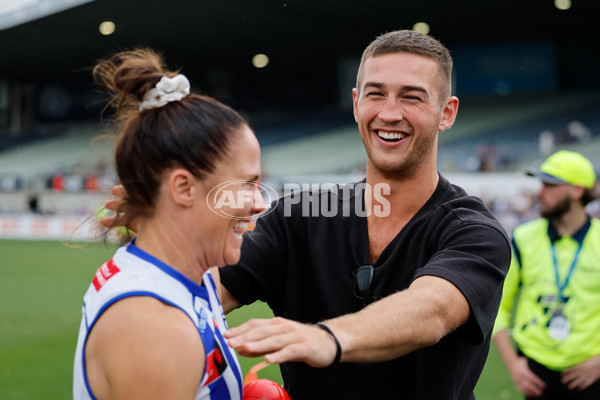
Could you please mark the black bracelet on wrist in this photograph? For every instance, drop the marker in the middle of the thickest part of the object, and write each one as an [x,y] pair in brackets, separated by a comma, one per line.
[338,348]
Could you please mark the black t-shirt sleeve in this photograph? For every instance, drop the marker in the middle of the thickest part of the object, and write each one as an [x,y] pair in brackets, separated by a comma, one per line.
[473,253]
[260,270]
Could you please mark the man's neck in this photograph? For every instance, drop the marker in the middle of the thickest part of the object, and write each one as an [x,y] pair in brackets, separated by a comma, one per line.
[406,194]
[570,222]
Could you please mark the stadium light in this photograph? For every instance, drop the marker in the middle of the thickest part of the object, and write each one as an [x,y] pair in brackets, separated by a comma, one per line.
[107,28]
[562,4]
[421,27]
[260,60]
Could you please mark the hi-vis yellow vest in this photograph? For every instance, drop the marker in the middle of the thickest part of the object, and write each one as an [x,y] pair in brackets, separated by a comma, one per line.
[531,283]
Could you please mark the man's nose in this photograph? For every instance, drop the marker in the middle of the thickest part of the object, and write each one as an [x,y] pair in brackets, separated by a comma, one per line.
[391,111]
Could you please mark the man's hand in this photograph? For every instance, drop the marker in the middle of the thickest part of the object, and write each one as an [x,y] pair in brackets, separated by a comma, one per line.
[281,340]
[582,375]
[525,380]
[119,193]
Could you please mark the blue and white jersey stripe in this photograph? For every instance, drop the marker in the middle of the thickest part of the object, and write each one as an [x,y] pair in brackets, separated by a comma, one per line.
[133,272]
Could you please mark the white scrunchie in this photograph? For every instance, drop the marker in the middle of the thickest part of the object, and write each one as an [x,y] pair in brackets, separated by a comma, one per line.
[165,91]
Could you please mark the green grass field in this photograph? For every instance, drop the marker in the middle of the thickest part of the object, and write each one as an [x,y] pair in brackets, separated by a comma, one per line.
[41,289]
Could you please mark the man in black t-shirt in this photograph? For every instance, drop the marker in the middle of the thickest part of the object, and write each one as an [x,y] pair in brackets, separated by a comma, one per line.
[388,287]
[395,293]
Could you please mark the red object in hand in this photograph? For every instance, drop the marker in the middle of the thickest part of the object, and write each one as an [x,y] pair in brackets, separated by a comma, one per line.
[264,389]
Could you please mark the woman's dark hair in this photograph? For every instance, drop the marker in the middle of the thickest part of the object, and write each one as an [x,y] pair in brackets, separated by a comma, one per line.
[193,133]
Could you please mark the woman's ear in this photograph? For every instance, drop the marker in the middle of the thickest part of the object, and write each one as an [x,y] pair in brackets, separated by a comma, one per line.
[181,186]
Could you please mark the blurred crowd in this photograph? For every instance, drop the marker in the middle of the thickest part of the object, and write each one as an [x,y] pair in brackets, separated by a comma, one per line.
[512,212]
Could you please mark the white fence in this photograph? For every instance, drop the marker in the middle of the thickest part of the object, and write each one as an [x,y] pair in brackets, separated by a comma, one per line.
[31,226]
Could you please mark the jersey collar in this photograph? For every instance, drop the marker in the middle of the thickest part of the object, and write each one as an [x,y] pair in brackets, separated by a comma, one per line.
[578,236]
[193,287]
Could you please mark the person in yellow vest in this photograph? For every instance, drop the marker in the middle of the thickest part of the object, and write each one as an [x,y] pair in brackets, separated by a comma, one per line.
[554,286]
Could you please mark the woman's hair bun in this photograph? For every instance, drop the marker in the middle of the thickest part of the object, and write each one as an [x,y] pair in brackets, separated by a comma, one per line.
[129,75]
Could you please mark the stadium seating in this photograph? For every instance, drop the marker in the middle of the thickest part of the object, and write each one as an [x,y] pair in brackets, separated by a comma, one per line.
[326,144]
[79,148]
[512,125]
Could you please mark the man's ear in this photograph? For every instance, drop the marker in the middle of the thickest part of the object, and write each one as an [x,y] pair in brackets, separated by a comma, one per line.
[181,186]
[577,192]
[355,96]
[449,111]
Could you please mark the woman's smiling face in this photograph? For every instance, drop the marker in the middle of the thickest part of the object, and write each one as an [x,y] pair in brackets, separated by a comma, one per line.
[231,211]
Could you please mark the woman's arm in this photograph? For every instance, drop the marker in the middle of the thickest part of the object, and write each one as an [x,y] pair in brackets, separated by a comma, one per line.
[141,348]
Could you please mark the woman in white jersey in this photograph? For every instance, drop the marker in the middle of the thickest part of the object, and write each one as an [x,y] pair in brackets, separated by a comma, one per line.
[152,319]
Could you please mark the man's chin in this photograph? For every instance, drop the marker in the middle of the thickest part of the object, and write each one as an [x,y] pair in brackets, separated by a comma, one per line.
[553,214]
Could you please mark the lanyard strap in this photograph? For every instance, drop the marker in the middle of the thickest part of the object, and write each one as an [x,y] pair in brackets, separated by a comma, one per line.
[561,287]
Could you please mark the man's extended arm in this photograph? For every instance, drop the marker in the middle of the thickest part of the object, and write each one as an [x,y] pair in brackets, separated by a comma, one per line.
[405,321]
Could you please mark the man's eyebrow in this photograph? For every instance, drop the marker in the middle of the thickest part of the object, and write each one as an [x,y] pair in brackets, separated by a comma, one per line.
[410,88]
[378,85]
[406,88]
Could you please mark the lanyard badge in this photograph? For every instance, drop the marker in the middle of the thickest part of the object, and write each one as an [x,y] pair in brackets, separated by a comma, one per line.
[559,327]
[559,324]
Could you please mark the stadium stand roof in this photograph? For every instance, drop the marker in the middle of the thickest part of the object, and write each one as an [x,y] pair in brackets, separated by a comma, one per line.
[313,46]
[219,32]
[303,38]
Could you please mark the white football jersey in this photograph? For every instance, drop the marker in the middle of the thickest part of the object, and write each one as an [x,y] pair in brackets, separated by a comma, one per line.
[133,272]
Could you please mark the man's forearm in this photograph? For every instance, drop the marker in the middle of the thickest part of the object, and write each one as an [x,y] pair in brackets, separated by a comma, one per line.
[405,321]
[505,347]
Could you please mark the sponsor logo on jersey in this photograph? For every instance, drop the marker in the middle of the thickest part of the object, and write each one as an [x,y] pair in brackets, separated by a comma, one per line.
[104,273]
[216,363]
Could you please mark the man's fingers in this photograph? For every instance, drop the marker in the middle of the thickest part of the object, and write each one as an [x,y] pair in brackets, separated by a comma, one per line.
[575,380]
[281,340]
[271,344]
[526,381]
[537,381]
[258,328]
[535,389]
[530,388]
[112,205]
[119,191]
[537,385]
[107,222]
